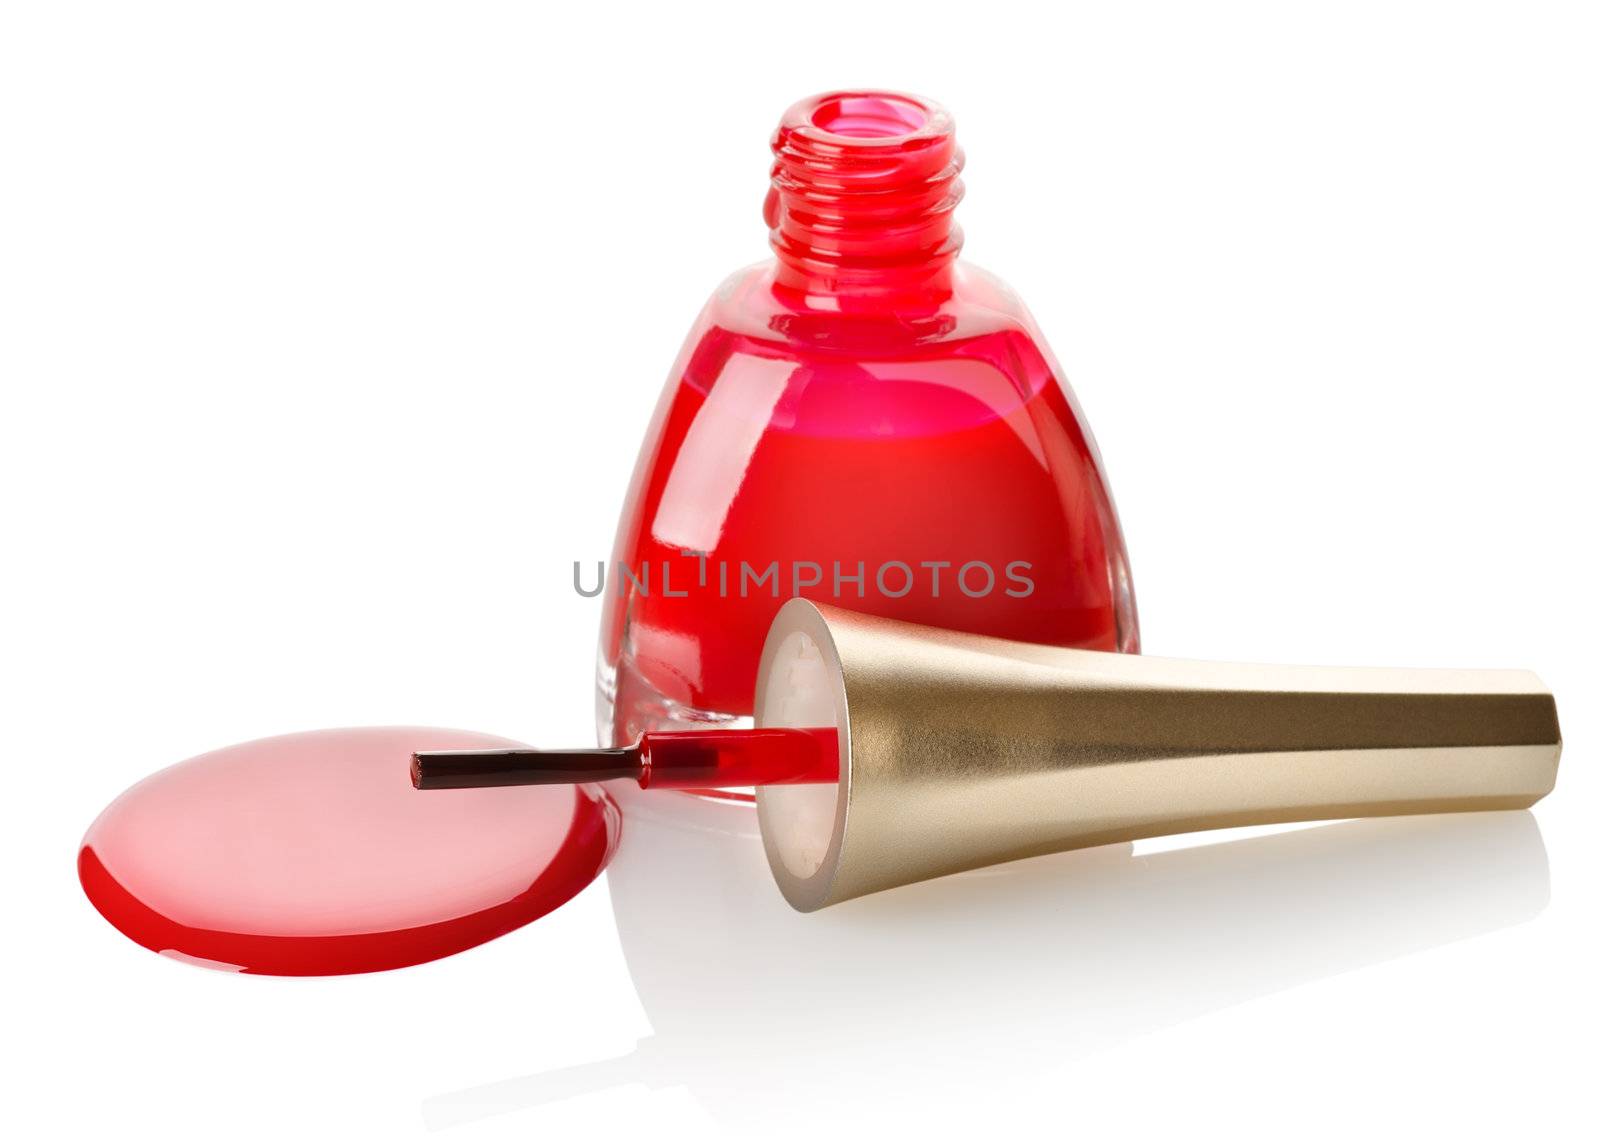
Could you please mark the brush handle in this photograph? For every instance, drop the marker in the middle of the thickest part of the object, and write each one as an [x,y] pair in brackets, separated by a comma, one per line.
[1149,746]
[965,751]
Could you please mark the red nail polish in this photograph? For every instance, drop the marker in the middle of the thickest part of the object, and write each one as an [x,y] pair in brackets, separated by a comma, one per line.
[862,420]
[311,854]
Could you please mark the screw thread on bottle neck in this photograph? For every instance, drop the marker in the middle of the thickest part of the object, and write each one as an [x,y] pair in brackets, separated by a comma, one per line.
[864,190]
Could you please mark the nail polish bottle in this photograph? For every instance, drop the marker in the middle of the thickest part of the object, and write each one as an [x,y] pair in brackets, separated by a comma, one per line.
[862,419]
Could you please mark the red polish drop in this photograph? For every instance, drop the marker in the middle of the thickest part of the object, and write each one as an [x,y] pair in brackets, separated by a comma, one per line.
[311,854]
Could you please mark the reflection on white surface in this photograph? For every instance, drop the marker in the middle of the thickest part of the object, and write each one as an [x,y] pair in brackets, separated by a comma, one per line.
[1005,971]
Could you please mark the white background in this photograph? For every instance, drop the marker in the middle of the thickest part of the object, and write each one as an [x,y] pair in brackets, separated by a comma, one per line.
[328,332]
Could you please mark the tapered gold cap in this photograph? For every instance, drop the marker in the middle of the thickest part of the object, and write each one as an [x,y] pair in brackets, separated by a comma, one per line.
[958,751]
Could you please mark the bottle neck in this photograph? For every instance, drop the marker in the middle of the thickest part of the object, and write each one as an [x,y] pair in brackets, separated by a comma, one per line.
[864,190]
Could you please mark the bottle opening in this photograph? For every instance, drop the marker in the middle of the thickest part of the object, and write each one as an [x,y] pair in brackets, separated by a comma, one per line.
[864,189]
[869,116]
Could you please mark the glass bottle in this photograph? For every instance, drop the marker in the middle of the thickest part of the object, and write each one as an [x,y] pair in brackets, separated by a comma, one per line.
[862,420]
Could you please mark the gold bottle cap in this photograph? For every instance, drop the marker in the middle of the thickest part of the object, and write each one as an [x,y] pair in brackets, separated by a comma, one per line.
[958,751]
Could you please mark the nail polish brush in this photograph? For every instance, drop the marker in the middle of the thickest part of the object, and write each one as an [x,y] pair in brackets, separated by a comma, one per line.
[673,759]
[952,751]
